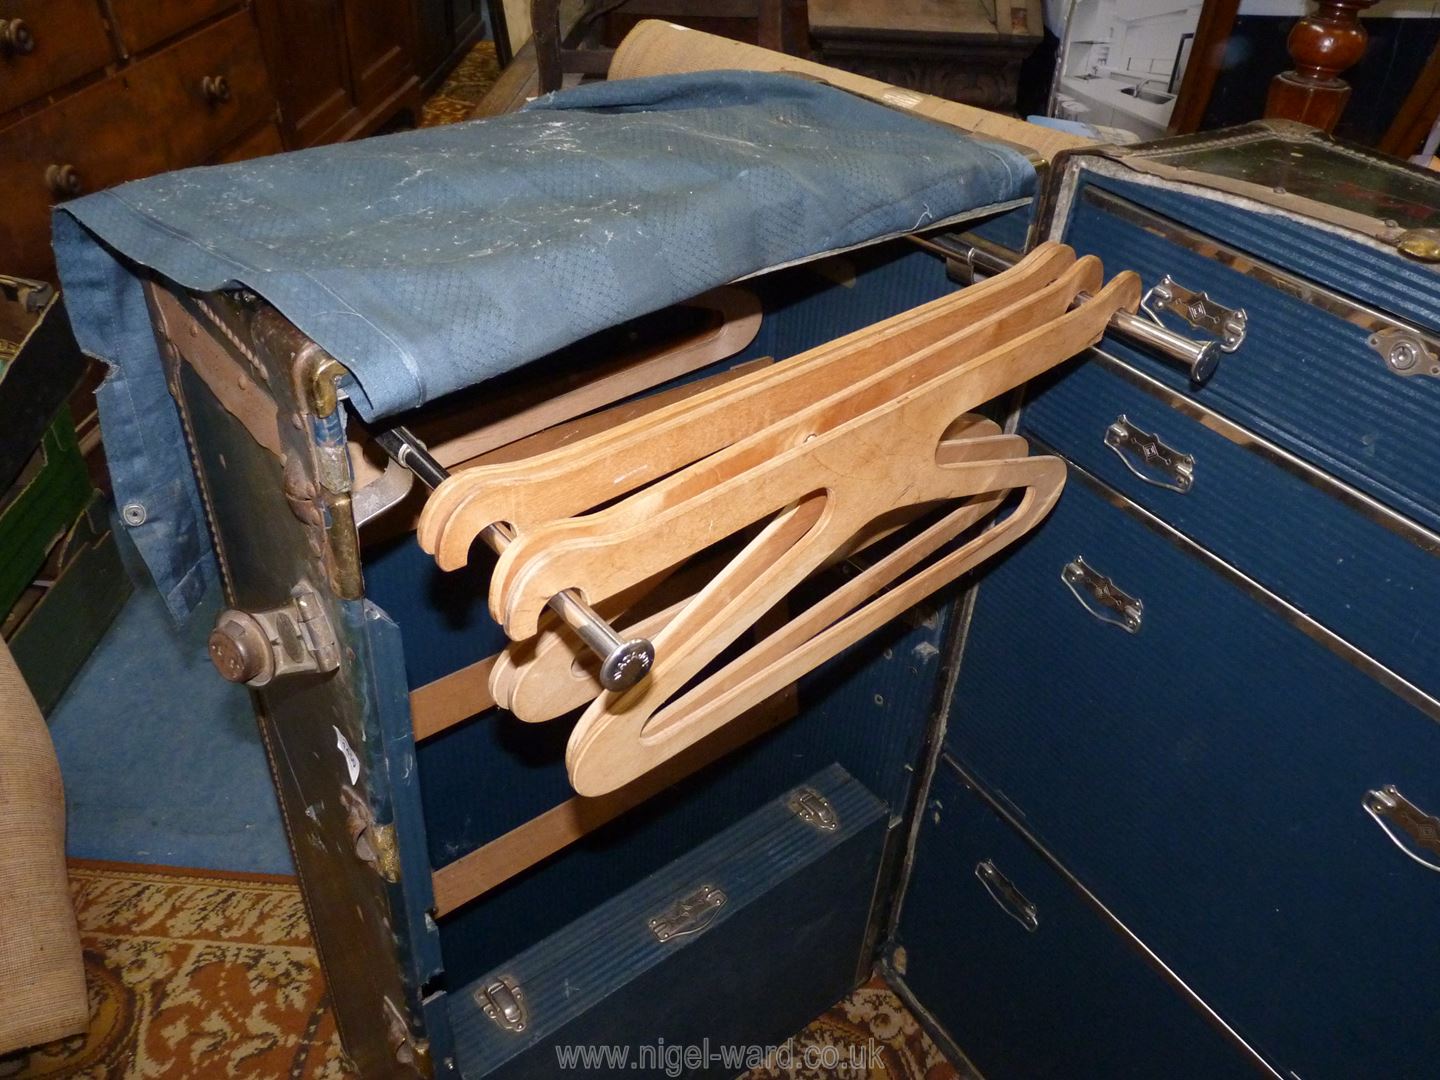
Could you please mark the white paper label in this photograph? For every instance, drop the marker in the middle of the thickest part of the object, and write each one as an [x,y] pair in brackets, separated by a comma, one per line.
[352,763]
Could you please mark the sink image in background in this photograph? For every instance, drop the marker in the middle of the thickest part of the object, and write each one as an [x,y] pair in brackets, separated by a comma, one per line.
[1152,96]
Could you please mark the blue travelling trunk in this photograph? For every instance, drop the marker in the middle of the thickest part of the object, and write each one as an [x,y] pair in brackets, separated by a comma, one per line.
[378,812]
[1192,754]
[1153,794]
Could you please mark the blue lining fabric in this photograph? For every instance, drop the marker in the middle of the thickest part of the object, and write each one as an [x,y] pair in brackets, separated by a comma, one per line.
[431,260]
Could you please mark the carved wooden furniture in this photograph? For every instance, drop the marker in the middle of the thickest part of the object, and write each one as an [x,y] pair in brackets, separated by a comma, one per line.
[586,47]
[448,29]
[1323,46]
[92,94]
[969,51]
[342,68]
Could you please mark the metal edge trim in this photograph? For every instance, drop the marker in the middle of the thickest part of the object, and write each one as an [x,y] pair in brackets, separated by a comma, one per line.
[1216,192]
[930,753]
[1298,288]
[932,1027]
[1321,635]
[1367,506]
[1147,954]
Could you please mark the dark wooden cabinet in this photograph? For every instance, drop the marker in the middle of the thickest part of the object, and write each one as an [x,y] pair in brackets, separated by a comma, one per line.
[342,68]
[447,30]
[94,94]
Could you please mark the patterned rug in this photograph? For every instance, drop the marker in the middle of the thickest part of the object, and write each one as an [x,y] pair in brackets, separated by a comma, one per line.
[192,974]
[208,974]
[870,1034]
[462,91]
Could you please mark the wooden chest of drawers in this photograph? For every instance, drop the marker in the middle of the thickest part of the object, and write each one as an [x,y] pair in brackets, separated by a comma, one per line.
[97,92]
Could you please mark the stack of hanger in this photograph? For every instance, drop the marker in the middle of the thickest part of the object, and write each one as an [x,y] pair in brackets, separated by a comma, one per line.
[868,441]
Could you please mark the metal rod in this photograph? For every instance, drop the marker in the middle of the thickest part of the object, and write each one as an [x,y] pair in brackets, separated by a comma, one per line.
[623,662]
[1199,358]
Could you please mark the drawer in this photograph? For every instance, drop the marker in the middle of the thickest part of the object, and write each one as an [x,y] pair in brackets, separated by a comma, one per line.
[1365,572]
[1306,375]
[143,23]
[1023,975]
[153,116]
[45,44]
[1206,777]
[740,942]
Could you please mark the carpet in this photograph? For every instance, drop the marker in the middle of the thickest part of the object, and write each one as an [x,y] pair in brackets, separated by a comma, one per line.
[212,974]
[463,88]
[192,974]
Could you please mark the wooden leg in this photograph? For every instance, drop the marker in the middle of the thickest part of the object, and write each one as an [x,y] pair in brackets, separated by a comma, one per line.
[1323,46]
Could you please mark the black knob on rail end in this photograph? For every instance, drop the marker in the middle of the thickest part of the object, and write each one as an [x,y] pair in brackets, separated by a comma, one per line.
[627,665]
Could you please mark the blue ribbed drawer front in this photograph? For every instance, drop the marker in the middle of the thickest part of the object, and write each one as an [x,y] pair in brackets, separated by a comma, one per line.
[1204,777]
[1304,377]
[1363,580]
[1068,998]
[783,946]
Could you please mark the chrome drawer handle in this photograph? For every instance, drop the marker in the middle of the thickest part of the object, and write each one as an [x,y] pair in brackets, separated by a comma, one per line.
[1011,900]
[1100,597]
[1176,470]
[1395,813]
[1197,309]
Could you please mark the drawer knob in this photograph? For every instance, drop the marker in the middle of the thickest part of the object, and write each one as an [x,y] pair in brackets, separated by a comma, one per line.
[63,181]
[16,38]
[216,89]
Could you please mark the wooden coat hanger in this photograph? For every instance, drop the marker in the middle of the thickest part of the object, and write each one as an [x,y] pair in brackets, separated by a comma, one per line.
[825,475]
[615,548]
[581,476]
[548,675]
[852,398]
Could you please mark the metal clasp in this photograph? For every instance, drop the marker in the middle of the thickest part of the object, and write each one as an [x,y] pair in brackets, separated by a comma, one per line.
[1101,597]
[814,809]
[688,915]
[1197,309]
[503,1002]
[256,647]
[1177,470]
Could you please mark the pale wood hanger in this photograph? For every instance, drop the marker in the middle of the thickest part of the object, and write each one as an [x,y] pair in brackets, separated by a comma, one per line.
[581,476]
[824,475]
